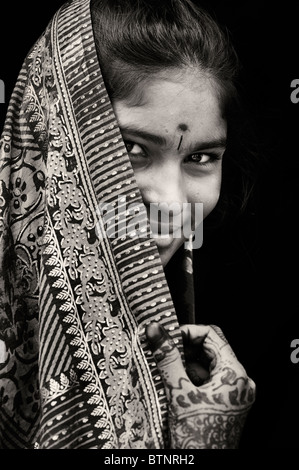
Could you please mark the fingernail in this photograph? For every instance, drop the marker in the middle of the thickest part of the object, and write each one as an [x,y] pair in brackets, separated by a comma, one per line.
[154,332]
[184,336]
[156,335]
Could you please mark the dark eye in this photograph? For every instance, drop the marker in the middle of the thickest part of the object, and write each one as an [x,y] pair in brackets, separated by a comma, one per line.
[201,158]
[133,148]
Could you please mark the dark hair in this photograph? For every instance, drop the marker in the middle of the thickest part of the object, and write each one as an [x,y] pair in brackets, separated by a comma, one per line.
[137,39]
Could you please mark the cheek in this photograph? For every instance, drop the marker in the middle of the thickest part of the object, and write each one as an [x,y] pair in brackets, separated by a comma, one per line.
[148,186]
[207,192]
[143,182]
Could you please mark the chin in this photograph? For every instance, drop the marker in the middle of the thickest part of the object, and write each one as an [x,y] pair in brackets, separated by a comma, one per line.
[167,246]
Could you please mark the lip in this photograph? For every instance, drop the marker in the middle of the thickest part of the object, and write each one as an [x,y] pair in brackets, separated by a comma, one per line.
[162,241]
[165,230]
[168,228]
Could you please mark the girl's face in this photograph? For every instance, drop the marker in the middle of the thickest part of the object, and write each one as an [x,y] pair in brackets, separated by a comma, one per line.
[176,137]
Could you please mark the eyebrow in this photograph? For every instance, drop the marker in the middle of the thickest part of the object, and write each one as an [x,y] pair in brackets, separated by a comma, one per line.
[220,142]
[155,139]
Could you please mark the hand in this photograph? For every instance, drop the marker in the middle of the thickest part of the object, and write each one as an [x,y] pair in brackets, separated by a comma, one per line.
[211,415]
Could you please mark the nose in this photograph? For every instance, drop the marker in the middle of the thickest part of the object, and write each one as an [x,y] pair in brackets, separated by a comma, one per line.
[166,186]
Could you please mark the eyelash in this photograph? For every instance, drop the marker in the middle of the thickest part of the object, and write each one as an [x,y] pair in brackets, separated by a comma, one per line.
[213,157]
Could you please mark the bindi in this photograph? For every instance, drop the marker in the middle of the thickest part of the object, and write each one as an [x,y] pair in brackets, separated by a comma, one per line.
[183,127]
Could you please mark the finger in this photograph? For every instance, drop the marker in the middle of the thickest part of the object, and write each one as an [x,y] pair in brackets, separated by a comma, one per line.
[223,361]
[217,344]
[195,333]
[213,344]
[224,357]
[166,355]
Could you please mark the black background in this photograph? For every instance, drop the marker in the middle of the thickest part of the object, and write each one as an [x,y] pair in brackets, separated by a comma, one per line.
[252,293]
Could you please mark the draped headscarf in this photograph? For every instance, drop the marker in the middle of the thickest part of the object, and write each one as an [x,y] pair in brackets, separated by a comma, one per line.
[75,367]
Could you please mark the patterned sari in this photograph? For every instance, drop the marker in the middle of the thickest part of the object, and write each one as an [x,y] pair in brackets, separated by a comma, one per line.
[75,368]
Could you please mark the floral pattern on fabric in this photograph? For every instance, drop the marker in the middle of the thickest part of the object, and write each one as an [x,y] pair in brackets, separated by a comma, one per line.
[75,371]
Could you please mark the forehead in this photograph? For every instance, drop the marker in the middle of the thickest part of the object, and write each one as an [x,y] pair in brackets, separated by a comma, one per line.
[188,105]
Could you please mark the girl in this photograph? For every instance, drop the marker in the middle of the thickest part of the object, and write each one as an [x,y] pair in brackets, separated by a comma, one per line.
[117,109]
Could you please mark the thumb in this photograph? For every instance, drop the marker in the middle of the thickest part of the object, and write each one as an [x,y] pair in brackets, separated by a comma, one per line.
[166,354]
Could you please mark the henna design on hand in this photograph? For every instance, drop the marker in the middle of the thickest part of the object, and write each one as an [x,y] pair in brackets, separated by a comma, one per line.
[207,431]
[211,415]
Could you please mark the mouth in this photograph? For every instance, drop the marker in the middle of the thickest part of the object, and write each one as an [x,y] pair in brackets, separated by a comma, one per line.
[165,230]
[164,224]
